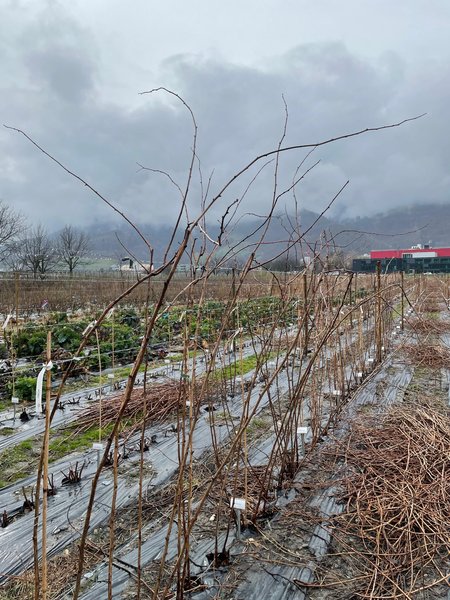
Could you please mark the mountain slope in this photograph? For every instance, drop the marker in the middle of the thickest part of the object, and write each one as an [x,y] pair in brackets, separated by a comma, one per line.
[398,228]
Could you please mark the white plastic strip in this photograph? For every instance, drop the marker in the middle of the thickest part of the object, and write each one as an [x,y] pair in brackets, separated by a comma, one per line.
[91,325]
[39,382]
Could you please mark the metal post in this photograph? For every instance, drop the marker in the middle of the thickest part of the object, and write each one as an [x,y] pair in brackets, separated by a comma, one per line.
[238,504]
[238,524]
[302,431]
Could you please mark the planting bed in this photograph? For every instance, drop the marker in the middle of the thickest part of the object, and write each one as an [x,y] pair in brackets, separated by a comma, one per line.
[277,401]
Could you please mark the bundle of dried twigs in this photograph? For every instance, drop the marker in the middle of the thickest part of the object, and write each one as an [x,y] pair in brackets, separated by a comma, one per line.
[158,403]
[429,325]
[433,356]
[161,400]
[431,305]
[395,529]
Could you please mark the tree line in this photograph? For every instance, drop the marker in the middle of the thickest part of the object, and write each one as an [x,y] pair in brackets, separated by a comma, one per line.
[33,248]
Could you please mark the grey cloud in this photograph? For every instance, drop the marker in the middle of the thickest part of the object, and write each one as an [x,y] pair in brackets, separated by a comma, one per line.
[62,71]
[56,97]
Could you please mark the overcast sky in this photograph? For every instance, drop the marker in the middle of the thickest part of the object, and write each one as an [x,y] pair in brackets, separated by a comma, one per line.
[72,73]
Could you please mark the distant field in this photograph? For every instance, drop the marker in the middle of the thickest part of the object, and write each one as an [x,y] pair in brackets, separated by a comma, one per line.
[99,264]
[58,291]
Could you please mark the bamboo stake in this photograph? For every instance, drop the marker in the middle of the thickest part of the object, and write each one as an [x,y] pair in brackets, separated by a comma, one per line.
[16,296]
[141,461]
[100,390]
[403,299]
[305,314]
[113,517]
[140,498]
[48,392]
[112,341]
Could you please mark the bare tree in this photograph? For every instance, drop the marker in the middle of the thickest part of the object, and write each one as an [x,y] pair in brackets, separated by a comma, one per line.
[286,264]
[72,247]
[12,224]
[37,252]
[12,255]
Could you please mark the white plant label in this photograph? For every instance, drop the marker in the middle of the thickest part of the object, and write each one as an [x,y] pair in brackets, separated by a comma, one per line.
[97,446]
[110,375]
[302,430]
[237,503]
[15,400]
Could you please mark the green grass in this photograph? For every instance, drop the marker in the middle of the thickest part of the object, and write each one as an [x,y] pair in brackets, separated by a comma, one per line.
[10,459]
[7,430]
[396,310]
[119,373]
[21,460]
[257,424]
[68,441]
[433,315]
[6,404]
[241,367]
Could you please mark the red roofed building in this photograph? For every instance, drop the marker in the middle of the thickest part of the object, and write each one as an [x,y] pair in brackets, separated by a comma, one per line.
[417,259]
[419,251]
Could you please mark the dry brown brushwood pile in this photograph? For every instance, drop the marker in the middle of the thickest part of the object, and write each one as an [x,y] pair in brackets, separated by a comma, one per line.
[429,325]
[394,531]
[159,402]
[433,356]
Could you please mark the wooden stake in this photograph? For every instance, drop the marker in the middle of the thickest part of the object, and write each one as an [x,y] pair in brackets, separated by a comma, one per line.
[403,300]
[48,392]
[350,304]
[245,411]
[113,517]
[112,342]
[101,393]
[378,325]
[305,314]
[16,296]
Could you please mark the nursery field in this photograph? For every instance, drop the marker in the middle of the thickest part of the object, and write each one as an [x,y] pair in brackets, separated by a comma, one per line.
[58,292]
[243,436]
